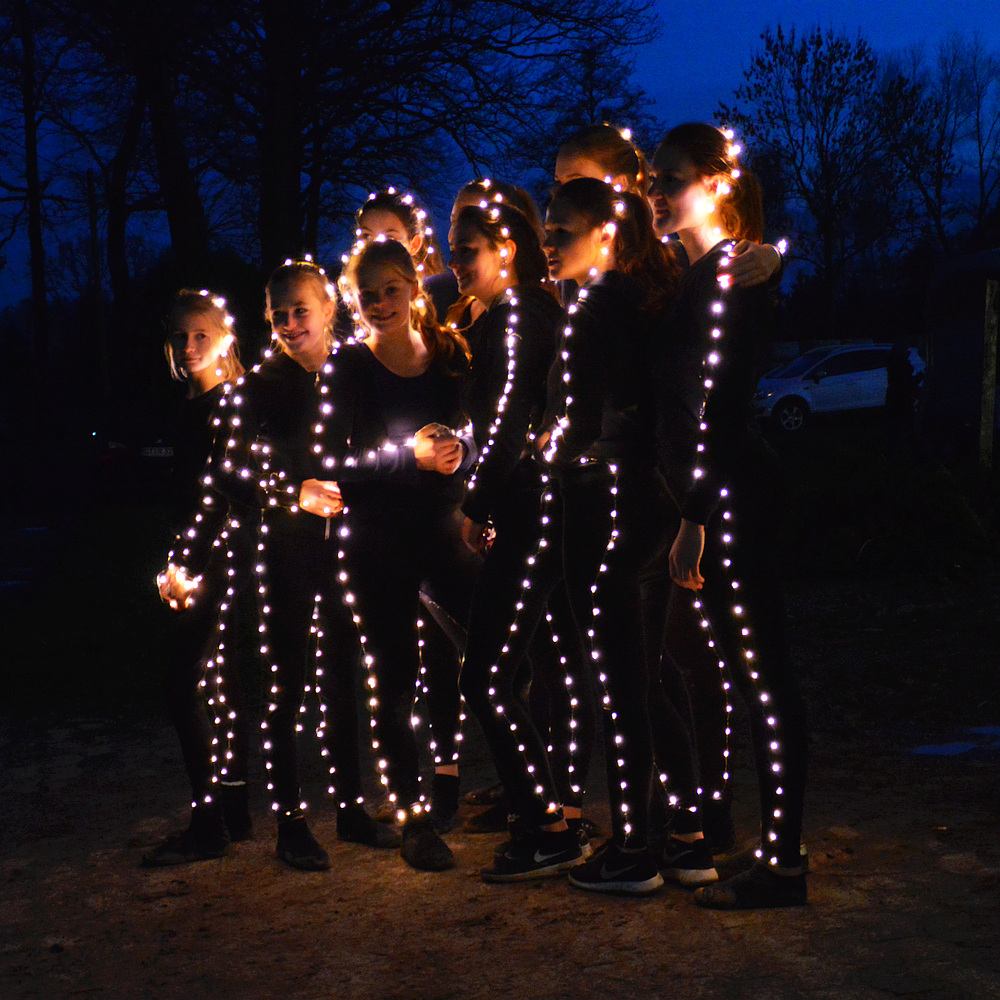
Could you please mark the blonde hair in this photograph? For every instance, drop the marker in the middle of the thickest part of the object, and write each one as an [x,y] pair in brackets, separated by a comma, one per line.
[444,344]
[202,302]
[294,273]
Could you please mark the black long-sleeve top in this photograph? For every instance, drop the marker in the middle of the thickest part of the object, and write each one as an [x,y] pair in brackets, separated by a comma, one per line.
[368,414]
[262,450]
[705,383]
[199,515]
[513,345]
[194,432]
[600,387]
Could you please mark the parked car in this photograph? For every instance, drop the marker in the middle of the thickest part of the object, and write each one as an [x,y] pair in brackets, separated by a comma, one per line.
[827,380]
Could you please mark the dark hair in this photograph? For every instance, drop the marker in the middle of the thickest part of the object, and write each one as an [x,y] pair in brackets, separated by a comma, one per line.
[638,252]
[413,219]
[500,222]
[500,192]
[296,272]
[615,154]
[713,152]
[203,303]
[444,344]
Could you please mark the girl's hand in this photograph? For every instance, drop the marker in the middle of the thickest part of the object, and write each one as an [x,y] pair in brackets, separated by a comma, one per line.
[320,498]
[177,588]
[753,263]
[436,449]
[685,556]
[475,536]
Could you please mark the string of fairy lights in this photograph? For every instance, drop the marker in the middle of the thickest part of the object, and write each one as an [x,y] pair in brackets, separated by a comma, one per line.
[512,339]
[551,451]
[712,360]
[277,490]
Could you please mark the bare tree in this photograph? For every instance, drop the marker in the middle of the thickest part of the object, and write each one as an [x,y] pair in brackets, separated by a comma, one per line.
[815,105]
[23,77]
[948,143]
[982,125]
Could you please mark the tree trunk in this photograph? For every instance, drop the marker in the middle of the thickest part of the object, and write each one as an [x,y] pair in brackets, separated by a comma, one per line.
[179,186]
[118,209]
[33,185]
[987,413]
[280,138]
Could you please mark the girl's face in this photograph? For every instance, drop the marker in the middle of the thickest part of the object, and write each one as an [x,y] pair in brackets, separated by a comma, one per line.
[299,317]
[197,342]
[573,247]
[384,297]
[479,266]
[380,222]
[680,198]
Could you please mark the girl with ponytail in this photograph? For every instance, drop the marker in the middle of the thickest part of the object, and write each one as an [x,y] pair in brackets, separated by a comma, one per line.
[729,490]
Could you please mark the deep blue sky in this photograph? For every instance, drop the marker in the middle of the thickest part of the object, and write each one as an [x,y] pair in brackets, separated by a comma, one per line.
[704,48]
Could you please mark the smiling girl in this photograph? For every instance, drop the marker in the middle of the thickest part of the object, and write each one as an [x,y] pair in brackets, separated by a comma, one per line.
[391,410]
[265,459]
[201,350]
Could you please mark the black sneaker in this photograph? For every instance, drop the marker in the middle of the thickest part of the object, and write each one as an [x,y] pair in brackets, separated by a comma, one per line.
[519,829]
[424,849]
[539,855]
[488,795]
[613,870]
[298,848]
[204,839]
[688,863]
[586,830]
[385,810]
[736,862]
[757,888]
[492,820]
[357,827]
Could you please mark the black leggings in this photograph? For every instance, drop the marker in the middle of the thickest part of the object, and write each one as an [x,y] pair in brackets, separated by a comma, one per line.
[300,569]
[749,630]
[633,694]
[390,554]
[690,678]
[602,582]
[194,639]
[496,665]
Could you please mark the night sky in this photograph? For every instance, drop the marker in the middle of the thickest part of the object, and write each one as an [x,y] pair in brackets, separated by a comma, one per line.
[700,56]
[703,50]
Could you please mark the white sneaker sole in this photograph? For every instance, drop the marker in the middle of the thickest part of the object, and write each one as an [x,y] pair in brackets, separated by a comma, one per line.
[629,887]
[691,877]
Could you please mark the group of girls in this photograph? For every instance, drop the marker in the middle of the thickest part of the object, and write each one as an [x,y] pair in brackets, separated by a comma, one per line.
[573,447]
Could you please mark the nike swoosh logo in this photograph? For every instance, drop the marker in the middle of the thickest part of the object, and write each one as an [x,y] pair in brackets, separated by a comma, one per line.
[608,873]
[542,858]
[671,861]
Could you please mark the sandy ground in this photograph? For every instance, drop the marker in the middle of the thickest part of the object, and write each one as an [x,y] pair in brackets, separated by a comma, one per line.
[903,846]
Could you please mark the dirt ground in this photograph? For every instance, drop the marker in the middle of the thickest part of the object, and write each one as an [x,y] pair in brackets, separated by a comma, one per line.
[902,829]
